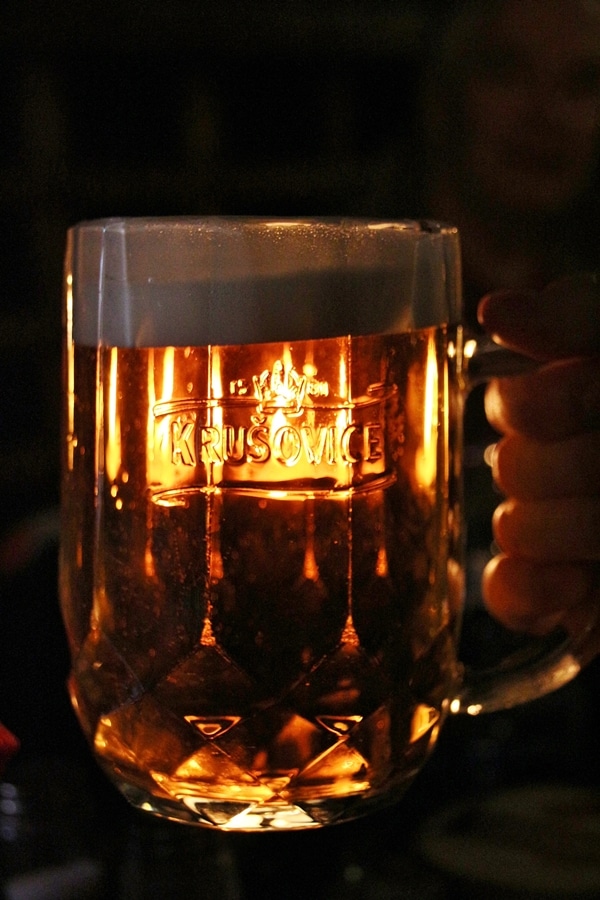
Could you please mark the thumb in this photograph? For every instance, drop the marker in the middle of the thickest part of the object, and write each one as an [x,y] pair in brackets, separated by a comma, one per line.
[561,321]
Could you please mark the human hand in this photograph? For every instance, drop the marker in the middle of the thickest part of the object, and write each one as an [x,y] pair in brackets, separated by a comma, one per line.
[548,462]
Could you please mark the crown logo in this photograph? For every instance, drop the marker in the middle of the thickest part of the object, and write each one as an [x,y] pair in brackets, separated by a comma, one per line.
[280,388]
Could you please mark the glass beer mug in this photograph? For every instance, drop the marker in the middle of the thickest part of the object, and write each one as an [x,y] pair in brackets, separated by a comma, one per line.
[262,545]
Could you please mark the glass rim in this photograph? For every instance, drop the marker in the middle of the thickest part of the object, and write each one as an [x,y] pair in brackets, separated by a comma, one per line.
[155,280]
[410,226]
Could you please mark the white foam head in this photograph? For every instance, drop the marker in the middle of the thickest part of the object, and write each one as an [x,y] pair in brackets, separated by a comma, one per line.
[197,281]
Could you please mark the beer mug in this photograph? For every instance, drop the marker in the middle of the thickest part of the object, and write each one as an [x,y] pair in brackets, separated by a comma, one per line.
[261,564]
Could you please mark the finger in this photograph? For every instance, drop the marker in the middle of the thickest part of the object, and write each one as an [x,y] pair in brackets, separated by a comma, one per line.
[552,403]
[521,593]
[530,470]
[563,529]
[536,598]
[558,322]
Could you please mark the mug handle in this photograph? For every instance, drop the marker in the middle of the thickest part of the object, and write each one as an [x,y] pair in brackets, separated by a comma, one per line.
[539,665]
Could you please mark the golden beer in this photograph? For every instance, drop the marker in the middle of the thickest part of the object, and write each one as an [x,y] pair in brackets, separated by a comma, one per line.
[261,570]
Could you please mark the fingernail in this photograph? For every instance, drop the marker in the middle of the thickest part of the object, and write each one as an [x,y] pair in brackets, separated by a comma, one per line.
[501,526]
[498,309]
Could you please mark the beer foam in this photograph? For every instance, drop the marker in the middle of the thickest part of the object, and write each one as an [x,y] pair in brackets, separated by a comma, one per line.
[182,282]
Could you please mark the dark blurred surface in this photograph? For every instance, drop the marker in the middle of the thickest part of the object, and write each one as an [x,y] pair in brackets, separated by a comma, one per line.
[178,108]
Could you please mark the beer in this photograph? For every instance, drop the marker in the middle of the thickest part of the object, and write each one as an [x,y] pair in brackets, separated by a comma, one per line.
[260,572]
